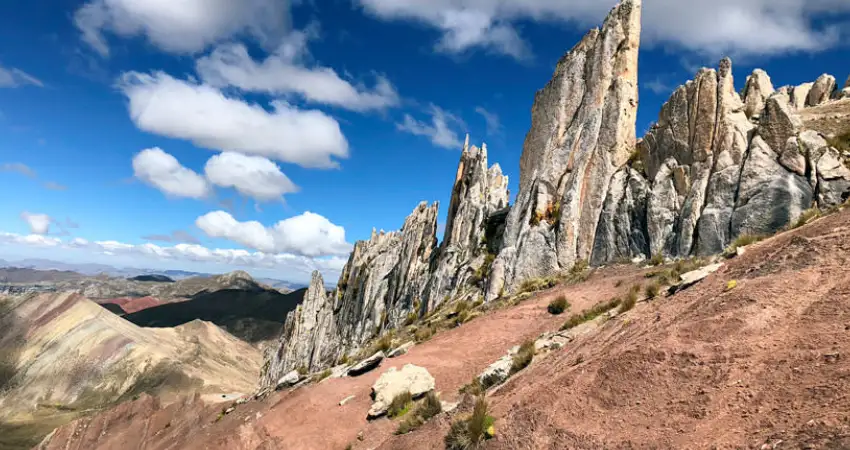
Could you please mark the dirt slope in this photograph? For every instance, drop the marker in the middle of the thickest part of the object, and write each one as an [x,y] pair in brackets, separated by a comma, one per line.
[62,355]
[709,367]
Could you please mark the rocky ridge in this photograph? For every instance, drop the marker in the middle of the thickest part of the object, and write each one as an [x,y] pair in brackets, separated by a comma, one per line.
[718,164]
[396,275]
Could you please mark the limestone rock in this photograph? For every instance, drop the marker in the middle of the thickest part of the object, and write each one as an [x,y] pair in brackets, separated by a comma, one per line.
[290,379]
[410,378]
[800,95]
[622,231]
[308,339]
[833,179]
[463,257]
[582,131]
[497,372]
[695,276]
[401,349]
[756,91]
[366,365]
[821,91]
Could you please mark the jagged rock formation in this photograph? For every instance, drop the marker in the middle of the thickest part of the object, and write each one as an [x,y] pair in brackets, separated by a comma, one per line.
[395,274]
[583,130]
[464,256]
[717,166]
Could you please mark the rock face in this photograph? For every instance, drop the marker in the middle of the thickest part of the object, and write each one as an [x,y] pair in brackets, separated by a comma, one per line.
[582,132]
[464,256]
[393,275]
[717,166]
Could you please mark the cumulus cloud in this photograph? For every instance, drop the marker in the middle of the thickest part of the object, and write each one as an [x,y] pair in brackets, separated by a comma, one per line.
[253,176]
[39,223]
[162,171]
[284,72]
[439,131]
[18,168]
[494,126]
[185,26]
[308,234]
[753,27]
[284,263]
[203,115]
[12,77]
[54,186]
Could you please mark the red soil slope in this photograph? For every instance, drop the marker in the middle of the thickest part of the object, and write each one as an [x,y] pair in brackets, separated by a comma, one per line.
[763,365]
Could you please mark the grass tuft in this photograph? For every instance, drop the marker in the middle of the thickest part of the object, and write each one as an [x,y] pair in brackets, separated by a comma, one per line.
[471,432]
[523,357]
[429,407]
[653,289]
[590,314]
[558,306]
[400,405]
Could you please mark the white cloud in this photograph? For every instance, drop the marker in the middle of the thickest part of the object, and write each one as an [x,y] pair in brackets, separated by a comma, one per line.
[308,234]
[494,126]
[162,171]
[181,26]
[714,27]
[39,223]
[253,176]
[657,86]
[203,115]
[12,77]
[285,264]
[439,131]
[284,73]
[176,236]
[19,168]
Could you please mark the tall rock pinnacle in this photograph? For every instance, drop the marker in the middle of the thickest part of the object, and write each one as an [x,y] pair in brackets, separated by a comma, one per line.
[582,131]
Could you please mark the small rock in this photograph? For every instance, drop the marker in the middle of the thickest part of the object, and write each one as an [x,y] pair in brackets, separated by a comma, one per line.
[366,365]
[448,407]
[832,357]
[360,436]
[288,380]
[497,372]
[740,251]
[695,276]
[410,378]
[346,400]
[229,410]
[401,350]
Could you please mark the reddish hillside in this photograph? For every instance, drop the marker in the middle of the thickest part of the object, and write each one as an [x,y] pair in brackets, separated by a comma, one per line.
[765,364]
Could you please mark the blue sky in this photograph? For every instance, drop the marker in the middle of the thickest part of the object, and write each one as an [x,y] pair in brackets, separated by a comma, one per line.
[152,133]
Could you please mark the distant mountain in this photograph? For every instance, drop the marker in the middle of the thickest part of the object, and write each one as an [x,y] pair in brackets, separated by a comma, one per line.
[28,275]
[153,278]
[252,313]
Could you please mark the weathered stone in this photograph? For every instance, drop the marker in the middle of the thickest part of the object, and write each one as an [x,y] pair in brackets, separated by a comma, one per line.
[663,209]
[756,91]
[462,260]
[401,349]
[833,179]
[800,95]
[497,372]
[622,231]
[308,339]
[769,195]
[366,365]
[410,378]
[821,91]
[583,130]
[695,276]
[288,380]
[346,400]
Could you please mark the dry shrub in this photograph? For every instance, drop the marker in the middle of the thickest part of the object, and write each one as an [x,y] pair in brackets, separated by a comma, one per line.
[558,306]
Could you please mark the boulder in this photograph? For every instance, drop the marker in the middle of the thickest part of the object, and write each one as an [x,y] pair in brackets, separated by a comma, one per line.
[410,378]
[366,365]
[497,372]
[757,89]
[821,91]
[290,379]
[401,349]
[695,276]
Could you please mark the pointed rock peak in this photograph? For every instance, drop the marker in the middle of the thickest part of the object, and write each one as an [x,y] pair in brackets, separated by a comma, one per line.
[317,283]
[466,143]
[847,83]
[821,91]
